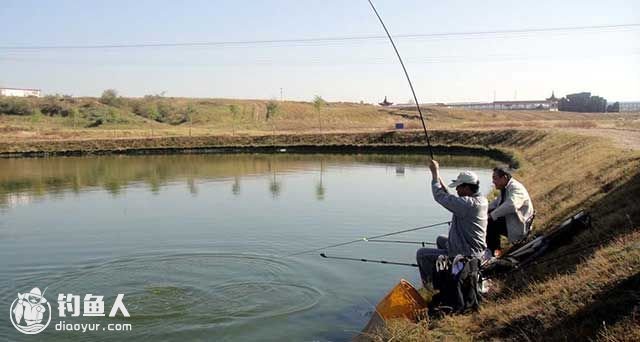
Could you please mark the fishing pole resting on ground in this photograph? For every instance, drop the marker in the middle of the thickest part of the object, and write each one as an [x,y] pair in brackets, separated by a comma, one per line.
[369,260]
[423,243]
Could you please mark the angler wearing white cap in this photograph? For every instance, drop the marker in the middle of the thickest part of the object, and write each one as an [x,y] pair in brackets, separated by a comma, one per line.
[467,234]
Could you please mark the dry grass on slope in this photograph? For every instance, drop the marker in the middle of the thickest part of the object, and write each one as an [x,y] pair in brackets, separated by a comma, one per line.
[589,289]
[566,172]
[602,292]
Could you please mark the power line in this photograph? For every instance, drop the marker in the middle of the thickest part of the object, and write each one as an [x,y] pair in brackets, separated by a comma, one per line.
[322,61]
[325,40]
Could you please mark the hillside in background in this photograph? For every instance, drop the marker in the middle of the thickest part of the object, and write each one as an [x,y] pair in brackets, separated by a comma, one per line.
[64,117]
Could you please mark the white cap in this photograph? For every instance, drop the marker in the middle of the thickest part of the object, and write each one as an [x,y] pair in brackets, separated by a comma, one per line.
[465,177]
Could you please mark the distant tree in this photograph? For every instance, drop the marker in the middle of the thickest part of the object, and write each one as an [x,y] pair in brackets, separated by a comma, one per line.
[73,115]
[189,113]
[272,109]
[318,103]
[151,112]
[234,112]
[113,116]
[110,98]
[165,110]
[233,109]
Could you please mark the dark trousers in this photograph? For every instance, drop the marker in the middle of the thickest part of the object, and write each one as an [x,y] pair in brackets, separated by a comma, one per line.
[494,230]
[427,257]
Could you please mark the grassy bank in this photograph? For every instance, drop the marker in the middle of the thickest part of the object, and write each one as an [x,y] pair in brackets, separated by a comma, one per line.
[68,118]
[590,289]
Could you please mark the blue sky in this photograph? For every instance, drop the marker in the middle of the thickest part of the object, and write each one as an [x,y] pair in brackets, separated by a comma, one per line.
[466,67]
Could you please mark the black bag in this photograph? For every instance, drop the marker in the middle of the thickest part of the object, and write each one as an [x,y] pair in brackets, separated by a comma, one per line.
[460,291]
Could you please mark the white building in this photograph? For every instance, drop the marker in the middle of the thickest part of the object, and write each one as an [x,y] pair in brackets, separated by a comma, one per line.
[630,106]
[18,92]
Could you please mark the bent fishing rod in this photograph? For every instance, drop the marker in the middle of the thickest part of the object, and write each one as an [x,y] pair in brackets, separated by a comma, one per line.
[426,134]
[415,98]
[370,238]
[369,260]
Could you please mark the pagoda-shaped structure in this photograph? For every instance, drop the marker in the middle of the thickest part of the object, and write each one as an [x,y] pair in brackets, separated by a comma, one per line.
[553,102]
[385,103]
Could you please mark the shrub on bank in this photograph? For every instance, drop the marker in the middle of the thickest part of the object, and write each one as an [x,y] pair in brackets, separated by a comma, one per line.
[98,115]
[110,98]
[55,106]
[156,108]
[16,106]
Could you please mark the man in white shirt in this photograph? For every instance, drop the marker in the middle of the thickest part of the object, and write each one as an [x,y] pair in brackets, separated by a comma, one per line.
[511,213]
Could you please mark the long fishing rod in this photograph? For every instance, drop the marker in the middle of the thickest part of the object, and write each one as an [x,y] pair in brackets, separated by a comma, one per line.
[369,260]
[369,238]
[415,98]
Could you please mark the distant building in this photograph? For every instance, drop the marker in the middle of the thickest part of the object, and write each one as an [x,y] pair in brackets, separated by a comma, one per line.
[520,105]
[385,103]
[550,104]
[583,102]
[18,92]
[630,106]
[553,102]
[471,105]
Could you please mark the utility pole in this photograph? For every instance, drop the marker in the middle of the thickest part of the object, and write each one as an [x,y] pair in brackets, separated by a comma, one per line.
[494,99]
[281,97]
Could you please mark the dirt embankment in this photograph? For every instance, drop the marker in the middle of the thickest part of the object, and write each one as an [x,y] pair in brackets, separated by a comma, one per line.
[456,142]
[586,290]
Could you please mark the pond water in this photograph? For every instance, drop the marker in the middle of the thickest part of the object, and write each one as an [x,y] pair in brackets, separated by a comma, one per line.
[199,244]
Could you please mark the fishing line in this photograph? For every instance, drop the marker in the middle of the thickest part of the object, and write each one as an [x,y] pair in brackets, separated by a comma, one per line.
[370,238]
[415,98]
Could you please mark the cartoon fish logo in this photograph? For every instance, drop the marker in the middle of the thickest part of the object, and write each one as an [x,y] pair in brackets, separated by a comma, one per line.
[29,310]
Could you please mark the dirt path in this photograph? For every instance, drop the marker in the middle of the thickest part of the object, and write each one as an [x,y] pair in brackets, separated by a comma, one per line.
[624,138]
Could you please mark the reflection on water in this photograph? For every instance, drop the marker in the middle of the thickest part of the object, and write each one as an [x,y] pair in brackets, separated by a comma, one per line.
[24,180]
[199,243]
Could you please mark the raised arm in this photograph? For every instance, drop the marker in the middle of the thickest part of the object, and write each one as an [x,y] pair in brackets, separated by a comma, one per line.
[451,202]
